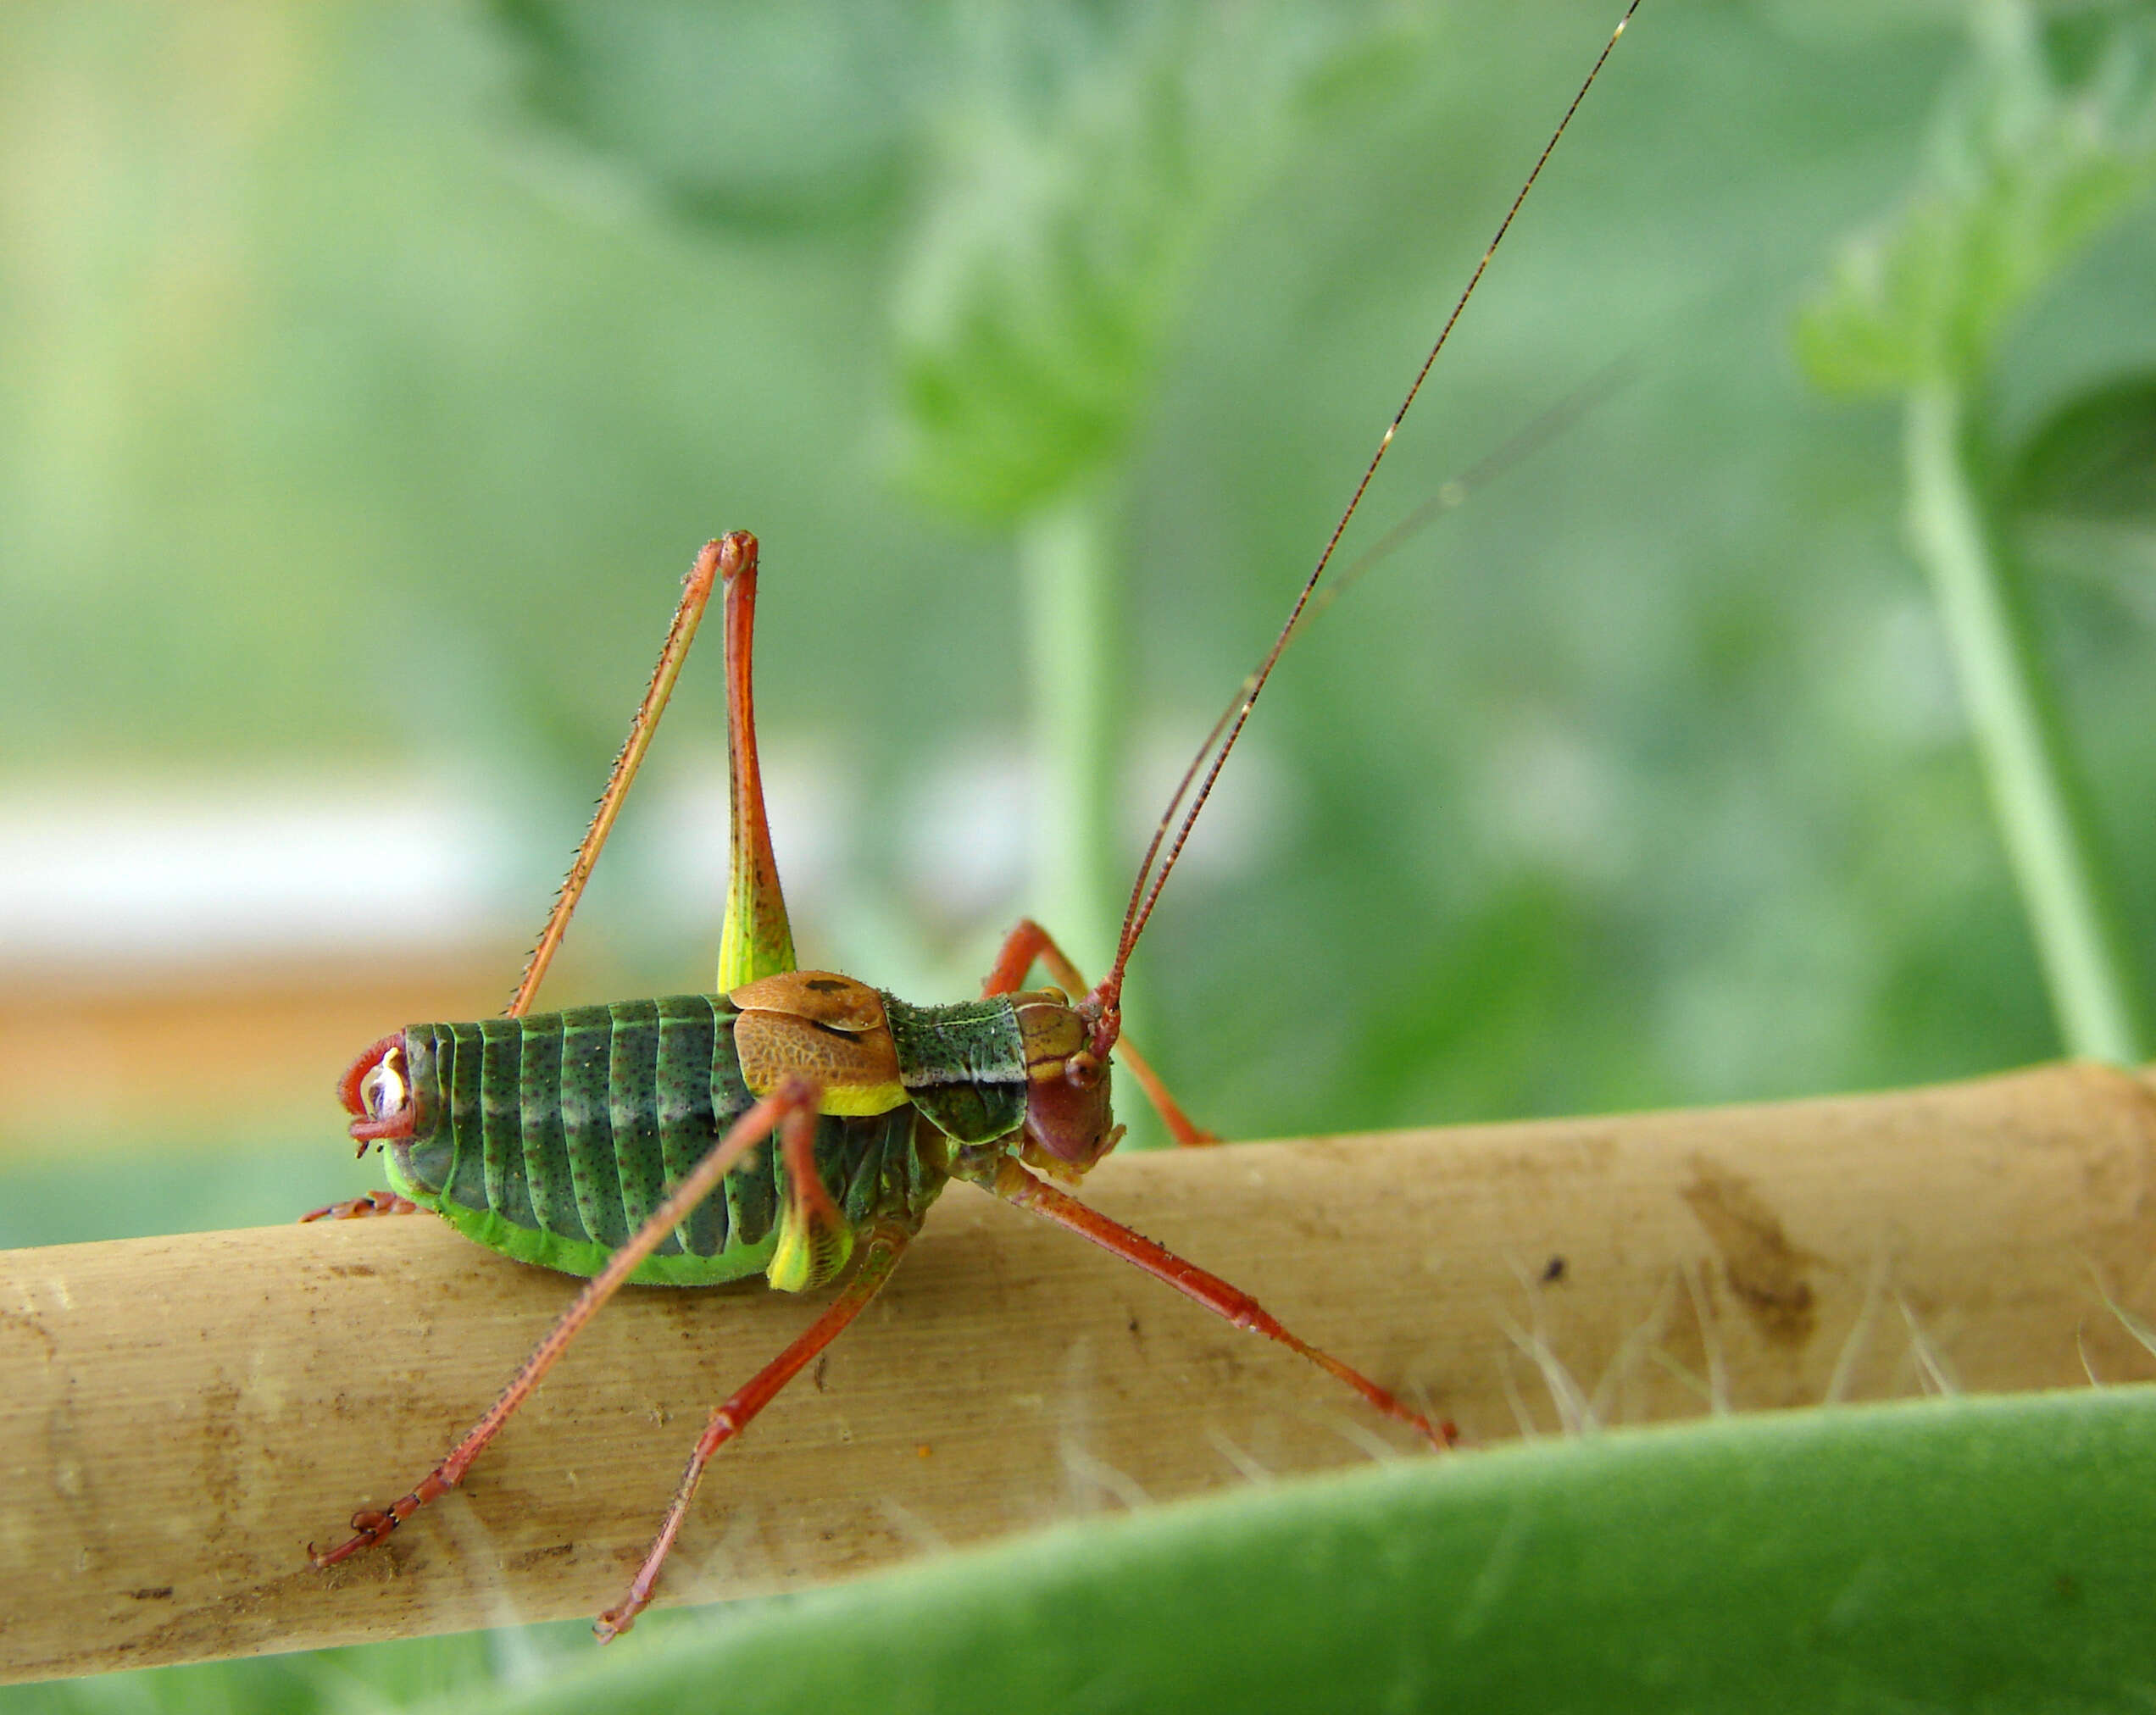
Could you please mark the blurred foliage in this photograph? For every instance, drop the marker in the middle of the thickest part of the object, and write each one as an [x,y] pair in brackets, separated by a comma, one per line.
[1796,1562]
[2094,457]
[1065,167]
[419,349]
[374,370]
[2035,157]
[322,1682]
[741,117]
[1057,260]
[2045,142]
[2025,171]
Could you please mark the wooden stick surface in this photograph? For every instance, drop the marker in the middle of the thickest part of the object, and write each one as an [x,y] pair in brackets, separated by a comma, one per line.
[181,1416]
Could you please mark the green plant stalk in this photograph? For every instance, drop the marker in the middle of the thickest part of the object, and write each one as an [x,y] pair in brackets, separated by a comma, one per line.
[2043,816]
[1074,604]
[1072,598]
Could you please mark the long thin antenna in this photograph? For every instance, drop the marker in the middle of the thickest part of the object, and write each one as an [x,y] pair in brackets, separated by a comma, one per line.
[1452,494]
[1455,491]
[1145,890]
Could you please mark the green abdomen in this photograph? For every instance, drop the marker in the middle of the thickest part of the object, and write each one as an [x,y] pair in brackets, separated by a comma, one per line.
[551,1138]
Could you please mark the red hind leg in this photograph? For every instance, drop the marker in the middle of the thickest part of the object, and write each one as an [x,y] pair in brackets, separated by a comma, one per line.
[884,1248]
[756,938]
[719,559]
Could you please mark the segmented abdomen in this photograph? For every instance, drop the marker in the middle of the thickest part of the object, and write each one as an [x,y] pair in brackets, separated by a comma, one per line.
[553,1136]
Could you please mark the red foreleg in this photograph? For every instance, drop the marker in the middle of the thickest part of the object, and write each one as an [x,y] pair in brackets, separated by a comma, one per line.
[1013,1185]
[1030,941]
[792,1105]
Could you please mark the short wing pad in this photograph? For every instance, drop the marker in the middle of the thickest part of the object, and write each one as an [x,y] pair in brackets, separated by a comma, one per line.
[821,997]
[820,1025]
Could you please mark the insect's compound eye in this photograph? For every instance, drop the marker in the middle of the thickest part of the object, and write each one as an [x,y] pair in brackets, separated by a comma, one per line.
[383,1091]
[1068,1124]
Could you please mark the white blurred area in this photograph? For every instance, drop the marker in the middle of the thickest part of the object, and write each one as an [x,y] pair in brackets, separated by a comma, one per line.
[189,964]
[186,961]
[910,884]
[127,883]
[675,835]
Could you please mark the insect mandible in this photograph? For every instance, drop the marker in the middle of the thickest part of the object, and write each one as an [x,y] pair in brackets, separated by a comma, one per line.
[794,1124]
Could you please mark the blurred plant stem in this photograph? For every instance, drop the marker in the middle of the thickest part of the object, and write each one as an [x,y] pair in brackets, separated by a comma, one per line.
[2044,813]
[1073,581]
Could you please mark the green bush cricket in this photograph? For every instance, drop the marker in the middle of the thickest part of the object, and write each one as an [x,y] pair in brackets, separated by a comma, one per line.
[794,1124]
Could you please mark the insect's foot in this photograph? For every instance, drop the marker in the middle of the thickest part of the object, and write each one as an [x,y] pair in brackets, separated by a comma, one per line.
[616,1621]
[368,1529]
[354,1208]
[1444,1434]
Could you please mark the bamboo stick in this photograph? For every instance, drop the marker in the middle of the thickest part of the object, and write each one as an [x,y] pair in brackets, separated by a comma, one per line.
[181,1416]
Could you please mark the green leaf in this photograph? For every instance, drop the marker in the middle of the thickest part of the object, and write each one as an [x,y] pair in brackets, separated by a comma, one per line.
[1079,194]
[2026,170]
[2093,459]
[1964,1555]
[1067,165]
[740,115]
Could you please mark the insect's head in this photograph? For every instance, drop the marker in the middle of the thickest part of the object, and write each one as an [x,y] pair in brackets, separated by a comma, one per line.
[376,1089]
[1069,1123]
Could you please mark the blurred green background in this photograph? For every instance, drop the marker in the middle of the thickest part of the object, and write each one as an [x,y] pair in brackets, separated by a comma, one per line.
[373,372]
